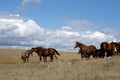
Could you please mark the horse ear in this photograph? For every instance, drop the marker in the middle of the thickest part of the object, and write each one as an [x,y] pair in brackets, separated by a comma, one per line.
[76,41]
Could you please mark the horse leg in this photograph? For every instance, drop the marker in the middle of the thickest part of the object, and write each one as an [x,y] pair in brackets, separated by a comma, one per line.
[56,57]
[94,55]
[108,53]
[24,60]
[27,60]
[87,56]
[103,54]
[51,58]
[45,58]
[40,58]
[82,56]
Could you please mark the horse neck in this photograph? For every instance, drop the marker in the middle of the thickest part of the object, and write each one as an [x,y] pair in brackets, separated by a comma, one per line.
[81,45]
[29,52]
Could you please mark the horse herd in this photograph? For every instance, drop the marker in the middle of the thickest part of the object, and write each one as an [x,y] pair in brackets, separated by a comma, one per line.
[106,50]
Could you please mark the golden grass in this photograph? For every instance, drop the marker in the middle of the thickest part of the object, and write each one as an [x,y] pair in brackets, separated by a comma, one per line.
[69,66]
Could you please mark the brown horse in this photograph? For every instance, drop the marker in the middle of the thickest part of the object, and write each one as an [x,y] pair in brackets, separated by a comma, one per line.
[25,55]
[44,52]
[86,51]
[118,47]
[108,48]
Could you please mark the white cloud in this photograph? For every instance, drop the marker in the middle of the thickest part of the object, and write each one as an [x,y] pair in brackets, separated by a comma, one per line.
[15,32]
[96,37]
[82,25]
[16,15]
[24,3]
[66,28]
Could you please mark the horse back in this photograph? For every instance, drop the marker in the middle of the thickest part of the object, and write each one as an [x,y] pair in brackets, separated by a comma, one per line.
[104,46]
[92,47]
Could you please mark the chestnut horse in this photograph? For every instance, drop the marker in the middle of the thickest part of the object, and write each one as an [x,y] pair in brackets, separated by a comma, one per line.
[44,52]
[86,51]
[25,55]
[108,48]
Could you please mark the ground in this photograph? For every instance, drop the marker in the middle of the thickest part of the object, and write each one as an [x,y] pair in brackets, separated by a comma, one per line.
[69,66]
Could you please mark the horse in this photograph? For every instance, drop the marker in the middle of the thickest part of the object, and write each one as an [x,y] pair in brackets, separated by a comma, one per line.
[118,47]
[37,50]
[108,48]
[86,51]
[25,55]
[99,53]
[44,52]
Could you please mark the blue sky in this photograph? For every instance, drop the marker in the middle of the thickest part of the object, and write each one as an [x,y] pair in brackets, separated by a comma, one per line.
[55,13]
[85,16]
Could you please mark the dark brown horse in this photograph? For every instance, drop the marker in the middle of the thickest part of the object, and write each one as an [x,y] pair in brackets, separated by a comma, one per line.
[108,48]
[25,55]
[44,52]
[86,51]
[118,47]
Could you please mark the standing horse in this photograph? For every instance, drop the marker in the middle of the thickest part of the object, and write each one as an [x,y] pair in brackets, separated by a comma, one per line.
[44,52]
[86,51]
[108,48]
[25,55]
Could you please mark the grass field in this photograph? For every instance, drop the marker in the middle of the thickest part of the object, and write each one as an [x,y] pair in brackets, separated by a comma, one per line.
[69,66]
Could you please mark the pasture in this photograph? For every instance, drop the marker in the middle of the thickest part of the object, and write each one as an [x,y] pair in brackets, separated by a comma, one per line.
[69,66]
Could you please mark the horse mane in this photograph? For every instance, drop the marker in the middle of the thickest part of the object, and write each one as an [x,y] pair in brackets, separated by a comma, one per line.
[39,47]
[29,52]
[80,43]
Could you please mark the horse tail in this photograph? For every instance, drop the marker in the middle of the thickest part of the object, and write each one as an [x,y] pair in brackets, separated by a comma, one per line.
[56,51]
[55,56]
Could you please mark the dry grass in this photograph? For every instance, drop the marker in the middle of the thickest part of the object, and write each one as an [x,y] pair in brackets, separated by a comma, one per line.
[69,66]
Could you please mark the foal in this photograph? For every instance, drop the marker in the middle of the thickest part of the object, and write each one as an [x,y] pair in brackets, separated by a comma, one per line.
[25,55]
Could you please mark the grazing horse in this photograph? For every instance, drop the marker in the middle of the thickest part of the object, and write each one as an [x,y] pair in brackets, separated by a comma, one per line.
[25,55]
[86,51]
[108,48]
[44,52]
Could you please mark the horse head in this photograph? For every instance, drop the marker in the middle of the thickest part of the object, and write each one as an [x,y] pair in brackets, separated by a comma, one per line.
[76,45]
[23,58]
[30,52]
[36,49]
[33,49]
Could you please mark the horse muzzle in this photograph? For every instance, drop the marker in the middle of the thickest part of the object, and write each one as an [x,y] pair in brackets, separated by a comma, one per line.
[74,47]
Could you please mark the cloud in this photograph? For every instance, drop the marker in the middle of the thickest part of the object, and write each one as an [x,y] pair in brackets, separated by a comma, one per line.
[17,32]
[66,28]
[20,33]
[25,3]
[82,25]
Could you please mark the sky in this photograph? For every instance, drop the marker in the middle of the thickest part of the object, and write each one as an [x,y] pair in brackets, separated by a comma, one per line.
[58,23]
